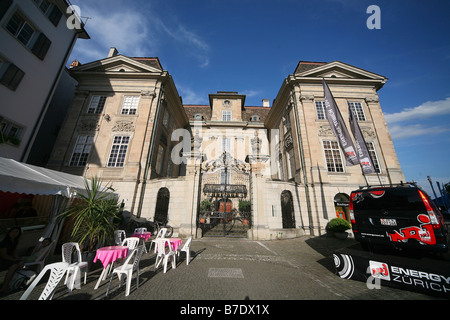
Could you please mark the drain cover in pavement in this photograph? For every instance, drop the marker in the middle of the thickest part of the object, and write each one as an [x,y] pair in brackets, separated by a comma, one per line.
[225,273]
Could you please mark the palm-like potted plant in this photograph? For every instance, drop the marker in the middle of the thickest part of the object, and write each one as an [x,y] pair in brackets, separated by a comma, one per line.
[94,217]
[339,227]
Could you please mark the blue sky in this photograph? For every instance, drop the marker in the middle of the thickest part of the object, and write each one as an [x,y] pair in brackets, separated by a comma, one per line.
[251,46]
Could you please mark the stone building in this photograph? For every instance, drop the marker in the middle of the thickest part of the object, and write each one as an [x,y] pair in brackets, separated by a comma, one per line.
[224,169]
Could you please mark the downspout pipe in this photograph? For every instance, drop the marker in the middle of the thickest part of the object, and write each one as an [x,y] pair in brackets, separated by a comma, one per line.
[150,151]
[302,159]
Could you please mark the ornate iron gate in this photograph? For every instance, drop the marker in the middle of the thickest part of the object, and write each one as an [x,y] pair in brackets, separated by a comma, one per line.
[225,208]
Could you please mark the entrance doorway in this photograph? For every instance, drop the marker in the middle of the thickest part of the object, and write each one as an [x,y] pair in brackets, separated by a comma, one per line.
[162,206]
[341,201]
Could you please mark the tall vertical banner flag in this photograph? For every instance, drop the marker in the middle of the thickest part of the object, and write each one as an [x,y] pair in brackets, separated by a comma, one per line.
[361,148]
[338,126]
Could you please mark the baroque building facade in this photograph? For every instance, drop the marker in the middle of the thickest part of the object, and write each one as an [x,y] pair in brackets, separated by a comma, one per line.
[227,169]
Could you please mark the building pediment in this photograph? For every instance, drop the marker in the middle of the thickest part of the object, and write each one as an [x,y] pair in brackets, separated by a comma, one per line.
[336,69]
[120,63]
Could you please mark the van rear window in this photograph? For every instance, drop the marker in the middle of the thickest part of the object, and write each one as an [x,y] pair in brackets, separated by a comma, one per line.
[393,200]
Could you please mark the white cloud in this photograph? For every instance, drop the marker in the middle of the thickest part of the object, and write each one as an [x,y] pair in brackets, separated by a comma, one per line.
[134,32]
[191,42]
[414,130]
[426,110]
[190,96]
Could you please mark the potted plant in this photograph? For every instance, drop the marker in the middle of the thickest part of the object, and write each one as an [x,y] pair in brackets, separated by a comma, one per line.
[245,208]
[93,218]
[339,227]
[205,206]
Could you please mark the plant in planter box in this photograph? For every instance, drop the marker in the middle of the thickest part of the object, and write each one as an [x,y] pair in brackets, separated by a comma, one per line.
[245,208]
[93,216]
[339,227]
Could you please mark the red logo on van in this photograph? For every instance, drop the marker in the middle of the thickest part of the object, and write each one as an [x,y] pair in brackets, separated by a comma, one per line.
[424,233]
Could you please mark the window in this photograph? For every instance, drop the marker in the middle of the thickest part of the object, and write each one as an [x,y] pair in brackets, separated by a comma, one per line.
[291,164]
[166,118]
[357,109]
[198,116]
[96,105]
[333,156]
[23,31]
[226,145]
[130,104]
[10,75]
[81,151]
[226,115]
[118,151]
[20,28]
[51,11]
[255,118]
[373,155]
[10,131]
[320,109]
[286,123]
[159,159]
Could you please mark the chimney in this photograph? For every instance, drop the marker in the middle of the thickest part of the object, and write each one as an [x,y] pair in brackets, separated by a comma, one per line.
[266,103]
[112,52]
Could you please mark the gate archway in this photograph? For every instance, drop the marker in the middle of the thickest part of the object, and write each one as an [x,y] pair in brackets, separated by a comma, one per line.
[225,206]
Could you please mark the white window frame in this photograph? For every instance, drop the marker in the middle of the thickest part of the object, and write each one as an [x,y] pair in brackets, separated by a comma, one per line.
[118,152]
[166,118]
[97,104]
[226,145]
[81,151]
[159,159]
[373,156]
[320,110]
[226,115]
[21,33]
[358,110]
[333,157]
[130,105]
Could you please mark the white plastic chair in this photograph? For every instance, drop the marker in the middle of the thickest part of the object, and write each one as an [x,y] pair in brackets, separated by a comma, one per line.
[131,243]
[186,248]
[57,271]
[127,269]
[119,236]
[74,267]
[161,234]
[140,230]
[165,251]
[40,260]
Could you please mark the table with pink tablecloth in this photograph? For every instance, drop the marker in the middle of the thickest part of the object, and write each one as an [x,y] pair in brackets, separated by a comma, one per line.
[144,235]
[107,255]
[175,242]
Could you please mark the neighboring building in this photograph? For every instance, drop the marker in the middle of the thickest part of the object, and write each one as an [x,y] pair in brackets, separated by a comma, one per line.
[36,44]
[223,168]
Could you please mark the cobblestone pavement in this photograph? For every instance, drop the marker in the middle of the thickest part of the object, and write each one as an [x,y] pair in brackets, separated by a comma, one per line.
[240,269]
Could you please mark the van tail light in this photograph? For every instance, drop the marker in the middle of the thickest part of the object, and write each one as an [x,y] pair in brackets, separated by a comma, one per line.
[433,217]
[350,208]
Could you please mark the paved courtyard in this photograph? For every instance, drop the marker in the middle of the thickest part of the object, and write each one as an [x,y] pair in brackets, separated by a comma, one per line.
[238,270]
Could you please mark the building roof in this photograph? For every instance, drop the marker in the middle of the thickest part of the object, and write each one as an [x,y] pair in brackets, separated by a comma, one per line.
[307,65]
[150,61]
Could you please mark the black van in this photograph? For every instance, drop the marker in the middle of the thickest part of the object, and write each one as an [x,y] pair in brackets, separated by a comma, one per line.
[401,216]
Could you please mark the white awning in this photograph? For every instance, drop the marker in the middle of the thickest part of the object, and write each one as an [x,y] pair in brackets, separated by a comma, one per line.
[25,178]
